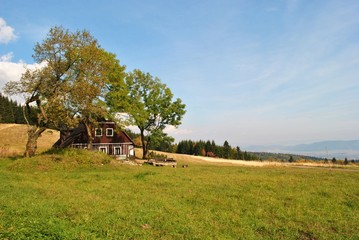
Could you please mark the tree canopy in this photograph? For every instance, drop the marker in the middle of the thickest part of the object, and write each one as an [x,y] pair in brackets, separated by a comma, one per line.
[149,103]
[71,85]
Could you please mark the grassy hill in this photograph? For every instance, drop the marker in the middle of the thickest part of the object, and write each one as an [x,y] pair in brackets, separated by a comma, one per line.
[13,139]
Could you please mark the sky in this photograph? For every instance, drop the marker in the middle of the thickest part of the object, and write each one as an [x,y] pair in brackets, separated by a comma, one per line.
[250,72]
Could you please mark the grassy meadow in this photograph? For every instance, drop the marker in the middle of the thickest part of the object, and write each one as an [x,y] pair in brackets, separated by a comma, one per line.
[72,194]
[87,195]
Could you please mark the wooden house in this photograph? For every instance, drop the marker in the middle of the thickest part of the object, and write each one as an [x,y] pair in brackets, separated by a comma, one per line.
[105,138]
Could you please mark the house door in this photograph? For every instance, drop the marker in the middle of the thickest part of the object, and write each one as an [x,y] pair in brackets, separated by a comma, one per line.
[117,151]
[103,149]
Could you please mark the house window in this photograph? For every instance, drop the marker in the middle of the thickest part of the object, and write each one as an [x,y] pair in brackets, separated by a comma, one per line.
[117,151]
[109,132]
[103,149]
[98,132]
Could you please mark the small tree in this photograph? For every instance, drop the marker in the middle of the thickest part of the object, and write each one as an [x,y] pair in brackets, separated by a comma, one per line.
[149,104]
[346,161]
[238,153]
[291,159]
[334,160]
[226,149]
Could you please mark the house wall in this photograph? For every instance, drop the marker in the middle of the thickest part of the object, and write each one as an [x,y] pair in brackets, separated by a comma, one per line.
[118,137]
[120,140]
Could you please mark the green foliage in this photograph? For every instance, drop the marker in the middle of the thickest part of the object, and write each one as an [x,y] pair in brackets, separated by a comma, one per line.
[210,149]
[149,103]
[226,149]
[12,112]
[155,155]
[200,202]
[71,84]
[160,141]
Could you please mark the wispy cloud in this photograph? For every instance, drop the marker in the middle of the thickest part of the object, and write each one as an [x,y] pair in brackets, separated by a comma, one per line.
[7,57]
[173,131]
[7,33]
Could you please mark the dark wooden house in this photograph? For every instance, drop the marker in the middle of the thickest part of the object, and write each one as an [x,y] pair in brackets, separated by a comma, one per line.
[105,138]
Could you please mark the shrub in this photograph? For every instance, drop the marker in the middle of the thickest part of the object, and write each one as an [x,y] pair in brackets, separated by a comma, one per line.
[155,155]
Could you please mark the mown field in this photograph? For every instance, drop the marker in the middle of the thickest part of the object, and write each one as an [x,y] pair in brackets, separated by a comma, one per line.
[13,139]
[85,195]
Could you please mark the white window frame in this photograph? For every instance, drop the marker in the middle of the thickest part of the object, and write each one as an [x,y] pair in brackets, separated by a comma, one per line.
[114,151]
[109,135]
[101,148]
[98,135]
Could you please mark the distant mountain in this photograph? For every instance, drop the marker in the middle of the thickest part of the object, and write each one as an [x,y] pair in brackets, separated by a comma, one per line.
[324,149]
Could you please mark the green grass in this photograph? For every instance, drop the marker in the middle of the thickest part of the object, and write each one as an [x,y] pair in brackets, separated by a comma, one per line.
[84,195]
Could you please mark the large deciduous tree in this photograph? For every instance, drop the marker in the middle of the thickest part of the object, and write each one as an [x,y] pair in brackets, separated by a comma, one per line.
[149,103]
[71,85]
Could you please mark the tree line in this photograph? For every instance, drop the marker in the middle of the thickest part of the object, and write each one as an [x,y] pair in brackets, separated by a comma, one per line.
[12,112]
[207,148]
[82,82]
[211,149]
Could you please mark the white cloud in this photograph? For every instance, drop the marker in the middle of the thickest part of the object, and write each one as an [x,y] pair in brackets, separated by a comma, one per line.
[10,71]
[6,32]
[7,57]
[171,130]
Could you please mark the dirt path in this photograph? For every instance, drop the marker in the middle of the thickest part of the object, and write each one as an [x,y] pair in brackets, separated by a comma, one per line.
[282,164]
[200,159]
[240,162]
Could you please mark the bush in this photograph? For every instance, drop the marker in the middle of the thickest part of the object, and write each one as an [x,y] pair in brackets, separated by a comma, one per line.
[154,155]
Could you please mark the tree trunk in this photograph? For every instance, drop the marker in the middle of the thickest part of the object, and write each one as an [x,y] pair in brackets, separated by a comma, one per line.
[33,133]
[144,148]
[89,135]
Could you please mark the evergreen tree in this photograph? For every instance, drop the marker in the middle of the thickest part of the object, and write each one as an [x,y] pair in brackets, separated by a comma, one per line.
[226,149]
[238,152]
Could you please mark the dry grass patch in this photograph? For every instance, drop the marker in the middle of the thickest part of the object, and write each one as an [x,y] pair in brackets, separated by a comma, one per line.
[13,139]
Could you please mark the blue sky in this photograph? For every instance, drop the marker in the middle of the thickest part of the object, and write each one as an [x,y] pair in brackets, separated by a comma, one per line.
[250,72]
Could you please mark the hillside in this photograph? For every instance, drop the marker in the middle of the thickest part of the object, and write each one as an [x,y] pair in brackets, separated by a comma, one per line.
[323,149]
[13,138]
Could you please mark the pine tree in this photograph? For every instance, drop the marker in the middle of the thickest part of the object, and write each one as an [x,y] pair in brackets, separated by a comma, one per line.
[226,149]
